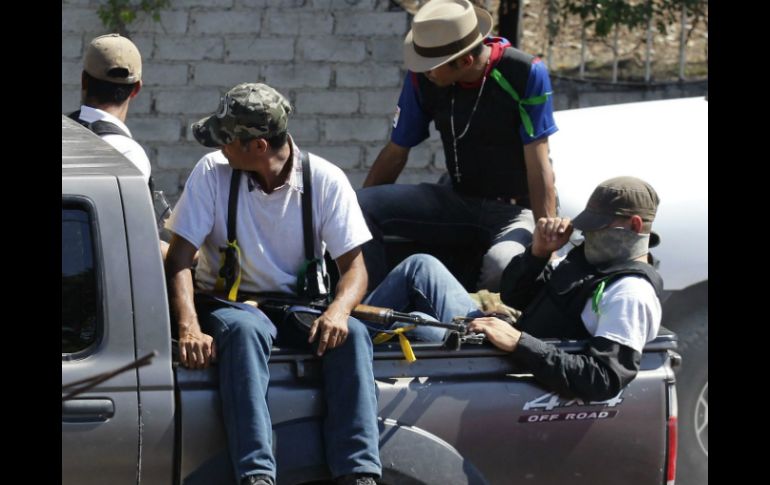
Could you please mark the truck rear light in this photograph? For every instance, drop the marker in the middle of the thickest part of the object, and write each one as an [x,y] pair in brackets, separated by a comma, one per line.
[671,465]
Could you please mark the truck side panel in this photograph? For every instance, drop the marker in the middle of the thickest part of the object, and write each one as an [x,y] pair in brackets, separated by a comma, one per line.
[502,426]
[100,427]
[153,333]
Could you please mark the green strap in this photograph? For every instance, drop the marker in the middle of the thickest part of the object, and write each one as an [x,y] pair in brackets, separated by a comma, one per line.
[597,296]
[534,100]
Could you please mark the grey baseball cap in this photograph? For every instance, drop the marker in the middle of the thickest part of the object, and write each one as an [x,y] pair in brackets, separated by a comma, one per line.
[249,110]
[113,58]
[620,196]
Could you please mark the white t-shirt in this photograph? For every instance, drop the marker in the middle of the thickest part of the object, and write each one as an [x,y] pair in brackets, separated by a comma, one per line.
[629,313]
[269,229]
[125,145]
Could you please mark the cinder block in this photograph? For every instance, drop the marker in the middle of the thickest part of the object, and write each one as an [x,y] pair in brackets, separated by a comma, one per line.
[244,21]
[368,75]
[190,48]
[327,102]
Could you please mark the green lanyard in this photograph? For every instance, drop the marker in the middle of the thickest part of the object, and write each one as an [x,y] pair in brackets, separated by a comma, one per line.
[597,296]
[535,100]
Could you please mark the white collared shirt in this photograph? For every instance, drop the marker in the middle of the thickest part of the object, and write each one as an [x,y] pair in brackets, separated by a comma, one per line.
[125,145]
[269,229]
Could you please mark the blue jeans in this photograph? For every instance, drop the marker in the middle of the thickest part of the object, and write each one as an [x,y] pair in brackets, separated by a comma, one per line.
[244,343]
[435,213]
[420,283]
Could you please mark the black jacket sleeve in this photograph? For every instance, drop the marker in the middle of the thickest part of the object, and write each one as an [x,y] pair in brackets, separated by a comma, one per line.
[522,279]
[596,374]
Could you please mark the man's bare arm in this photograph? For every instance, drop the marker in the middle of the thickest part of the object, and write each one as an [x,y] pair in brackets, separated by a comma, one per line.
[542,192]
[388,165]
[196,349]
[332,326]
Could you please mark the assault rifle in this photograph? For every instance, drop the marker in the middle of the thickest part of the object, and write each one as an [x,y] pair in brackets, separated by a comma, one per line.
[386,317]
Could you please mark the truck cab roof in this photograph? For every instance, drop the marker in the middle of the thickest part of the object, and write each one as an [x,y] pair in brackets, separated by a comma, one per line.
[85,153]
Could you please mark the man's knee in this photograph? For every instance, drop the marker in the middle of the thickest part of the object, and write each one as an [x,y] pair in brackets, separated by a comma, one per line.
[422,265]
[367,198]
[241,322]
[358,333]
[495,262]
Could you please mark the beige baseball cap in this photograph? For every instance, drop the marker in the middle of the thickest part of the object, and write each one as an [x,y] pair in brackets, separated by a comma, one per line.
[113,58]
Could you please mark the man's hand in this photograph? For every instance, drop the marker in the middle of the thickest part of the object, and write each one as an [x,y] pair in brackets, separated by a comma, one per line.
[551,233]
[331,328]
[197,350]
[501,334]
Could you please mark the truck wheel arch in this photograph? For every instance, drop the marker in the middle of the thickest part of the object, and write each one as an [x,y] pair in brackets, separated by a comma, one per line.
[409,456]
[686,313]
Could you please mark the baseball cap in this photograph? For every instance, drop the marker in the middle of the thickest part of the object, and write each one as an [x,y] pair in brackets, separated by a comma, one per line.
[620,196]
[113,58]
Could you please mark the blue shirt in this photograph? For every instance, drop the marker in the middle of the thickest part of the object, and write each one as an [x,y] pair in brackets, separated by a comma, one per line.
[410,123]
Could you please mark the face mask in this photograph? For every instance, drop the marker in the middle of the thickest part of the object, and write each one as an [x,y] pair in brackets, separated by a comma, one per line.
[614,245]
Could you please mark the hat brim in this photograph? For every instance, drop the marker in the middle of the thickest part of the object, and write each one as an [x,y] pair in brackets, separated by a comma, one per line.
[207,132]
[593,221]
[589,220]
[417,63]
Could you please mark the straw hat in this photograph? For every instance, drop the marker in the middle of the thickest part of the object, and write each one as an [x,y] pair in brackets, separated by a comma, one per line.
[443,30]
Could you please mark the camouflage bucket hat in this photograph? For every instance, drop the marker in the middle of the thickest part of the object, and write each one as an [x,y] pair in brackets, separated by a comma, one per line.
[249,110]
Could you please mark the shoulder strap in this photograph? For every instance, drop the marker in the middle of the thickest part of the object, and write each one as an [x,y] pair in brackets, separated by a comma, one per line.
[307,208]
[312,281]
[229,278]
[99,127]
[232,205]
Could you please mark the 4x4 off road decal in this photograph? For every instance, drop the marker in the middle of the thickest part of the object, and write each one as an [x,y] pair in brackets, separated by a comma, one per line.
[551,401]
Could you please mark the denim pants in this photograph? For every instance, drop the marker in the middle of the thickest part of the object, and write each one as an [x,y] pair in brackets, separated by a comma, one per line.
[436,214]
[244,343]
[421,283]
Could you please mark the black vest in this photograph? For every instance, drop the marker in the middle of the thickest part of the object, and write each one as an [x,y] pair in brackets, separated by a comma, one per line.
[555,311]
[491,154]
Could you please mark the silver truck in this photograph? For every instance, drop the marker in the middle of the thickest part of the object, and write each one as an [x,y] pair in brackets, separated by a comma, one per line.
[462,415]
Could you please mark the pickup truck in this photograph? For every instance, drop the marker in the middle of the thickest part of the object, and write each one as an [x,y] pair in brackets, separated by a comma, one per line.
[462,415]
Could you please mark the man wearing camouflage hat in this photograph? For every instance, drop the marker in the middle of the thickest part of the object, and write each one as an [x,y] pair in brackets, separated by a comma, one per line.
[250,128]
[111,78]
[605,291]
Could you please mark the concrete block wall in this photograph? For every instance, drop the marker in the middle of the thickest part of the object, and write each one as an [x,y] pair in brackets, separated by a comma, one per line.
[338,61]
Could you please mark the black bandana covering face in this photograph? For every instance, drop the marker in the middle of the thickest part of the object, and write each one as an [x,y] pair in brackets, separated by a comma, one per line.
[614,245]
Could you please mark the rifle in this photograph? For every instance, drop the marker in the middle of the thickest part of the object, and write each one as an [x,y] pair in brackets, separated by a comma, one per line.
[386,317]
[367,313]
[278,305]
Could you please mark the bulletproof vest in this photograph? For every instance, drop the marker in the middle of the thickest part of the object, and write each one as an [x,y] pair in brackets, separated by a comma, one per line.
[555,311]
[99,127]
[491,154]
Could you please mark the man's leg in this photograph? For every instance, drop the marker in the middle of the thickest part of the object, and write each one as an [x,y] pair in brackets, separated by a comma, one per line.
[351,433]
[427,213]
[243,343]
[513,226]
[421,283]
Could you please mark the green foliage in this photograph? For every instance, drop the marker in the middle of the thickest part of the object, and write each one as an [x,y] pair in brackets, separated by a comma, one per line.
[604,15]
[117,14]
